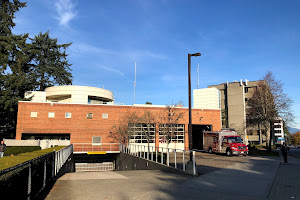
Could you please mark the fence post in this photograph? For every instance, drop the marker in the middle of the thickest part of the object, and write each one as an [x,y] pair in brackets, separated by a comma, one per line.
[162,156]
[29,182]
[168,157]
[53,164]
[45,170]
[183,160]
[148,152]
[175,159]
[194,163]
[156,153]
[151,153]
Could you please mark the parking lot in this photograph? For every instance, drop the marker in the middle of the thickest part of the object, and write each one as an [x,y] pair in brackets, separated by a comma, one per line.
[207,163]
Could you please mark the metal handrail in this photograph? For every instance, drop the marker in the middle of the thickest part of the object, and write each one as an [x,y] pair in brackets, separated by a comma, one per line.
[135,150]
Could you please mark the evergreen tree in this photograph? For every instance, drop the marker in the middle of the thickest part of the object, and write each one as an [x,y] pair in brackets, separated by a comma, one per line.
[50,60]
[26,64]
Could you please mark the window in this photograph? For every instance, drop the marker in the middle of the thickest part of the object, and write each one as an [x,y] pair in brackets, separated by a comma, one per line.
[246,89]
[89,115]
[51,114]
[234,140]
[68,115]
[104,116]
[224,140]
[33,114]
[97,140]
[140,133]
[174,133]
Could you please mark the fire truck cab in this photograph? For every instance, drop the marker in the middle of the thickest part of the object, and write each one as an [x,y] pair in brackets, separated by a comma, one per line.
[224,141]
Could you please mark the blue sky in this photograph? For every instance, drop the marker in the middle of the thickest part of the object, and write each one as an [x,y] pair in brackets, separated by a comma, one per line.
[237,40]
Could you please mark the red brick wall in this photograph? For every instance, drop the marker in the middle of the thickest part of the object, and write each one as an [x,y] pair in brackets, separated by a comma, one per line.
[82,130]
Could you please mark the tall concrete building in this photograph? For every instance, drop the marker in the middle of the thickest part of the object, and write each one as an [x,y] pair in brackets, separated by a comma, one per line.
[234,96]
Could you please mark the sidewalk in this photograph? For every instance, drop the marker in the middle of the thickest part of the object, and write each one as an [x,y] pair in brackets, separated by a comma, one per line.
[251,179]
[287,181]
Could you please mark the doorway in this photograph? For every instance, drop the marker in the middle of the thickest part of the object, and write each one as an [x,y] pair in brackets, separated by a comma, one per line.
[197,133]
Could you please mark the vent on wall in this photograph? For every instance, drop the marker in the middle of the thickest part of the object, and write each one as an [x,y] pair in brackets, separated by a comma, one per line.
[97,140]
[51,114]
[89,115]
[33,114]
[104,115]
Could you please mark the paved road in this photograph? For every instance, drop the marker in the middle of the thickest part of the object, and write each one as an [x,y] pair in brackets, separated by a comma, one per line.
[207,163]
[295,152]
[249,178]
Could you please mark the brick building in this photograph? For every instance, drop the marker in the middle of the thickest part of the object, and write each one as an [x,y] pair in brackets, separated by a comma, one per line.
[81,123]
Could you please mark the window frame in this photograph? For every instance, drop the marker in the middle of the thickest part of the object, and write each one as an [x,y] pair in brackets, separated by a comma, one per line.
[49,114]
[33,114]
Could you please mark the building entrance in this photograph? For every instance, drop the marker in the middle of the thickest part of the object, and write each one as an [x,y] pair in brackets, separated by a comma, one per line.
[198,135]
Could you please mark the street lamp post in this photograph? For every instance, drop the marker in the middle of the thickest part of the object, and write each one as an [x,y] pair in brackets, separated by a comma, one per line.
[190,104]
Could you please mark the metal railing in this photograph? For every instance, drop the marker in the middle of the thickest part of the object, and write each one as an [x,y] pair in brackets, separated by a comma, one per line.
[87,147]
[61,157]
[176,158]
[27,180]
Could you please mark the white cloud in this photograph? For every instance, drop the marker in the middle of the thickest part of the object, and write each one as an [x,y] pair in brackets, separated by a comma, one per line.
[111,69]
[137,55]
[142,54]
[66,11]
[79,47]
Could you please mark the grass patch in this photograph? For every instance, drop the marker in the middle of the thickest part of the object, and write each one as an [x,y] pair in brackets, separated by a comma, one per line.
[19,150]
[10,161]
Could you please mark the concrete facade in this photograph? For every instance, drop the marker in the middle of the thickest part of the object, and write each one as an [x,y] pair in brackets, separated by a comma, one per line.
[72,94]
[234,98]
[44,144]
[73,120]
[206,98]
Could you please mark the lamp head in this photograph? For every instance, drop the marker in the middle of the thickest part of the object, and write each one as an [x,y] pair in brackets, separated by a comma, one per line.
[196,54]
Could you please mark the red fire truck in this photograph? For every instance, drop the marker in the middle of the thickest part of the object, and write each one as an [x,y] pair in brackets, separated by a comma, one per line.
[224,141]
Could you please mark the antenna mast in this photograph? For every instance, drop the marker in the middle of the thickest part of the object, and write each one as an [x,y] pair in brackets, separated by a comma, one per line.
[198,76]
[134,82]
